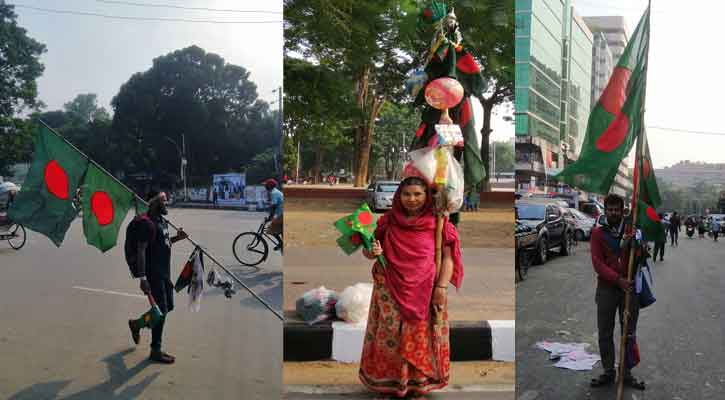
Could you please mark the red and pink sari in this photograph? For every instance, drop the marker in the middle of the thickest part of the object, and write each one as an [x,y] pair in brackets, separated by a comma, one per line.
[405,350]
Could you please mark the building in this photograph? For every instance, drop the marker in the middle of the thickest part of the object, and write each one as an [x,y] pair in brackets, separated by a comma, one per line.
[553,78]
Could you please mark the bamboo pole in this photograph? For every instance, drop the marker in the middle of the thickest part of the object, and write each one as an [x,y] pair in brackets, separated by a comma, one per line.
[137,198]
[634,208]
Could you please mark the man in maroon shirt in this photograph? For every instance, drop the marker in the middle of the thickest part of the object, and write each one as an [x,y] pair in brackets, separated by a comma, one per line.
[610,257]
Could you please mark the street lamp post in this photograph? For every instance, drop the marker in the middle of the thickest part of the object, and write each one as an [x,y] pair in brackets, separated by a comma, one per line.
[182,156]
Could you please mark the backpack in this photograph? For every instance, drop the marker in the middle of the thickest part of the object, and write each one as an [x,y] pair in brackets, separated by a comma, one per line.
[133,237]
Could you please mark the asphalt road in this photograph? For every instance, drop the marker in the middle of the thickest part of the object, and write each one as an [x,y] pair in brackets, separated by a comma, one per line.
[681,336]
[487,292]
[64,313]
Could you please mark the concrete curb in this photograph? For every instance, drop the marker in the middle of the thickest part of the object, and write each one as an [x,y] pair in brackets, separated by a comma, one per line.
[359,389]
[470,341]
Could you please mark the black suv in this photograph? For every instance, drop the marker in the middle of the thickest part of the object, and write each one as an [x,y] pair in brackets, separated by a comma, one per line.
[552,229]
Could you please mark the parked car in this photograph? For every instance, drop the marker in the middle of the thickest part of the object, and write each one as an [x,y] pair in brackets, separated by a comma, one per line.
[583,225]
[591,209]
[380,195]
[547,219]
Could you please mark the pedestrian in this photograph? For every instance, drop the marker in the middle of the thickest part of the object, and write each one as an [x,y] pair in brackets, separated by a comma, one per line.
[701,226]
[715,228]
[610,256]
[276,212]
[674,228]
[154,267]
[406,349]
[660,244]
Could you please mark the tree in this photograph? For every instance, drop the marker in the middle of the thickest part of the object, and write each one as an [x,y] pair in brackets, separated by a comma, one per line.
[85,108]
[504,156]
[360,39]
[196,94]
[319,111]
[487,29]
[20,66]
[391,131]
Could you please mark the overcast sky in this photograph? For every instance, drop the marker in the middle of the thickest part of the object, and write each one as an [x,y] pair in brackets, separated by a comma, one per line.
[90,54]
[685,80]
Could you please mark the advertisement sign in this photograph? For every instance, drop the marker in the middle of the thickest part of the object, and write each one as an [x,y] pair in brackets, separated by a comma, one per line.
[228,189]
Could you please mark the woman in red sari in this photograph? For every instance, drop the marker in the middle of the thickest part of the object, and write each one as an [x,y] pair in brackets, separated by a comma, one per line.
[406,348]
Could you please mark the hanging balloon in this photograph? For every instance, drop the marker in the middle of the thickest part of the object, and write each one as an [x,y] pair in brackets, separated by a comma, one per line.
[443,93]
[415,81]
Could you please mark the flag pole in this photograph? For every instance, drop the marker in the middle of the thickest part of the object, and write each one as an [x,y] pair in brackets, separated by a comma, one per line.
[634,209]
[144,202]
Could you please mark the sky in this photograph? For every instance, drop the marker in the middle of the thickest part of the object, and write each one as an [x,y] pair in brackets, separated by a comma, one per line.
[90,54]
[684,82]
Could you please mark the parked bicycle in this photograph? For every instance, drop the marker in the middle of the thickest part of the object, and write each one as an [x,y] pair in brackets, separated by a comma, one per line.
[251,248]
[14,234]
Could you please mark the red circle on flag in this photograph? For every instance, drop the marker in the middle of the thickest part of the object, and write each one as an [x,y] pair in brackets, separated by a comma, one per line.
[365,218]
[652,214]
[56,180]
[615,134]
[468,65]
[615,94]
[102,208]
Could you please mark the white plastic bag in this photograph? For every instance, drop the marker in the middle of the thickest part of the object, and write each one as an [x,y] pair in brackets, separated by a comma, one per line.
[423,163]
[196,287]
[354,303]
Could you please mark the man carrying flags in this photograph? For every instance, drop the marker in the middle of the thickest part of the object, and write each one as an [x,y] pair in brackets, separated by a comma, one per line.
[610,256]
[615,123]
[154,267]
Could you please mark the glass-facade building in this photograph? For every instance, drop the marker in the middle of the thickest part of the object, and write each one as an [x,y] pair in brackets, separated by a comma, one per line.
[553,53]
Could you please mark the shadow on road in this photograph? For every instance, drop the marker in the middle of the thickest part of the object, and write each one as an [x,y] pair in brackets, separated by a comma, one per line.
[119,374]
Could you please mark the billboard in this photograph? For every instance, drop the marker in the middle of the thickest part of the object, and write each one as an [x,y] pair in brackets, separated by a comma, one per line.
[229,189]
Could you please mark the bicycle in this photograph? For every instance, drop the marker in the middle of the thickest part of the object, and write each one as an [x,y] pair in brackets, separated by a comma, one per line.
[251,248]
[14,234]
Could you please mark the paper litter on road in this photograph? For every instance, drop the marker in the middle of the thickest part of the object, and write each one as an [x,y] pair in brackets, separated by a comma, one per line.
[570,355]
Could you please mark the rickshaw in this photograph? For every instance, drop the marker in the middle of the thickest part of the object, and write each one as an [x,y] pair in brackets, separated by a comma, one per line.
[10,231]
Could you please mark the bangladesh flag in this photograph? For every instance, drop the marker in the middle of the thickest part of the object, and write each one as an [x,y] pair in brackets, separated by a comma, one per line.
[358,229]
[649,196]
[45,202]
[105,203]
[616,119]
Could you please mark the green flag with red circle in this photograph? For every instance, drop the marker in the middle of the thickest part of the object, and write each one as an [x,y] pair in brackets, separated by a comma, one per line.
[648,196]
[358,230]
[105,203]
[45,203]
[616,119]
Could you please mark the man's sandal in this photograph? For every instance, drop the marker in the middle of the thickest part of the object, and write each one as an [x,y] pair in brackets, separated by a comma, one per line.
[602,380]
[632,382]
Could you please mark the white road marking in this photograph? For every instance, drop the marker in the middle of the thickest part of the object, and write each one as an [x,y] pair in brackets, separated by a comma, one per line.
[110,292]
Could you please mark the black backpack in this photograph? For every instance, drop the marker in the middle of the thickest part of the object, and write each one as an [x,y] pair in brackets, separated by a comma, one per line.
[133,237]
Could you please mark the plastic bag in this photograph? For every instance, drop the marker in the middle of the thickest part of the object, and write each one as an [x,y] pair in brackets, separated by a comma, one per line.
[437,165]
[354,303]
[196,287]
[317,305]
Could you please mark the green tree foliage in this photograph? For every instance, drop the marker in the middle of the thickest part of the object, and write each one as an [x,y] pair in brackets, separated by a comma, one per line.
[197,94]
[319,113]
[20,66]
[504,156]
[391,135]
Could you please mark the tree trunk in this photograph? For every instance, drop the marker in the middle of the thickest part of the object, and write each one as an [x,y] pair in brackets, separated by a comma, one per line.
[485,142]
[318,163]
[370,106]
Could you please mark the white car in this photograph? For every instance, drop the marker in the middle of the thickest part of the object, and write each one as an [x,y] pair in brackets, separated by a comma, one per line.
[584,225]
[380,195]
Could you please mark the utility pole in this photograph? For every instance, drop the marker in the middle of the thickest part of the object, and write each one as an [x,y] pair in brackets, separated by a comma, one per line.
[280,149]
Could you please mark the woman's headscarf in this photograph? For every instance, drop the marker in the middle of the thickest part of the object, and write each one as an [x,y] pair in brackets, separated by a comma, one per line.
[409,248]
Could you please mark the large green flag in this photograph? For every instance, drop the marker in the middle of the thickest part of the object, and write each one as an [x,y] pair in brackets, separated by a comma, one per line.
[45,201]
[616,119]
[648,196]
[105,203]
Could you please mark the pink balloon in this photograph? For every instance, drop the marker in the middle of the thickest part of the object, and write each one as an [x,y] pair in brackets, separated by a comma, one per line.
[443,93]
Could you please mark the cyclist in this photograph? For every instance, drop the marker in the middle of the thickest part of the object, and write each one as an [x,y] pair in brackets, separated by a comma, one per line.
[276,199]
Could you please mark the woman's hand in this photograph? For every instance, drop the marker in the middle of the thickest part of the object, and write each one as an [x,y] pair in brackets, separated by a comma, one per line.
[377,249]
[440,298]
